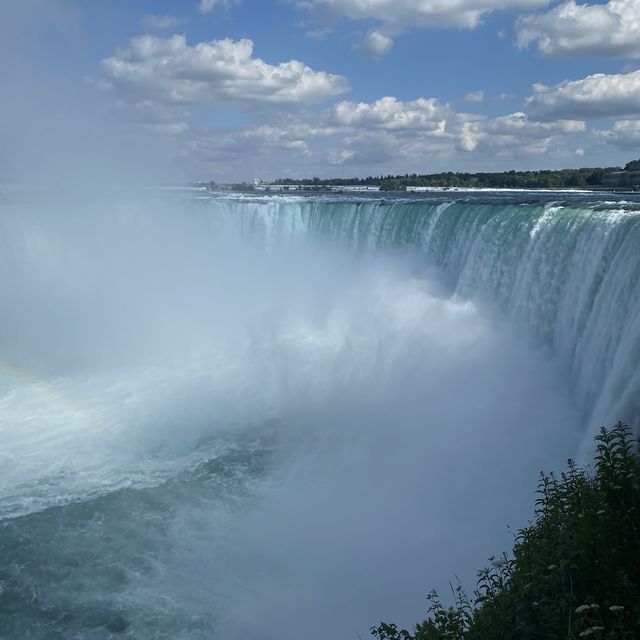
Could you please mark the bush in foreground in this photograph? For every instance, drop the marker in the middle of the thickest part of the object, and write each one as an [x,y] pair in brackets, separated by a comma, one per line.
[574,572]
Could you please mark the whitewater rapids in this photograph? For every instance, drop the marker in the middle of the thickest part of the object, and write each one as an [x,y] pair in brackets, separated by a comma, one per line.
[263,417]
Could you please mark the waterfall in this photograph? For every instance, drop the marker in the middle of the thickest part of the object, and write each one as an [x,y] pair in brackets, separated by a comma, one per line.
[222,416]
[566,272]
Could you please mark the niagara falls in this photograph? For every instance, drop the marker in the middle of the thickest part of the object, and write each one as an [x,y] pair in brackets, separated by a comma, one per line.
[319,320]
[224,407]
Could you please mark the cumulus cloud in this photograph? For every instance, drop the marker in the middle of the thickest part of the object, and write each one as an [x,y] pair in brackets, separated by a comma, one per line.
[431,117]
[415,135]
[172,77]
[348,134]
[411,13]
[161,22]
[376,45]
[516,130]
[598,95]
[419,130]
[611,29]
[157,82]
[392,114]
[624,134]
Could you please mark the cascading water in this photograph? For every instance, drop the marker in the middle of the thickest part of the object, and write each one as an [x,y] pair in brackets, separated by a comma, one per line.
[255,417]
[568,273]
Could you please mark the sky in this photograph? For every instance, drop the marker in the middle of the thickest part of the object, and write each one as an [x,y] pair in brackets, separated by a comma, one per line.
[230,90]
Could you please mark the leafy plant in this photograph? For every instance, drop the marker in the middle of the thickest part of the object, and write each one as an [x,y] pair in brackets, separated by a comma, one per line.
[574,572]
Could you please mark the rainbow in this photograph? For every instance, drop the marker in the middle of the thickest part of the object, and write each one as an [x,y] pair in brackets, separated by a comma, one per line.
[48,393]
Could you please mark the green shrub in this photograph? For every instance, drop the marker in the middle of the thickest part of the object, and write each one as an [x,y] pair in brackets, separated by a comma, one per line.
[574,572]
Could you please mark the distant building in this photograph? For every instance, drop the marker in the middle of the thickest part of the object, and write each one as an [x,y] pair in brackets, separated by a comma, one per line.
[622,180]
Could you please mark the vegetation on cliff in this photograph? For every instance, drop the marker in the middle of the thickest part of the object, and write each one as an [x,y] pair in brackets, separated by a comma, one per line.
[574,572]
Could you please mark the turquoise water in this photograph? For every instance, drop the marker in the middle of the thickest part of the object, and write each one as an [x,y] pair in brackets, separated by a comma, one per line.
[567,272]
[232,416]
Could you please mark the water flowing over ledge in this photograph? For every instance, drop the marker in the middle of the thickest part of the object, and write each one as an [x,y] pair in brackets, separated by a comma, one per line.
[568,272]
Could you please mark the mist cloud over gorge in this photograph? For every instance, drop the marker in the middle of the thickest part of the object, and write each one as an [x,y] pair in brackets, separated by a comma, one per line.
[398,426]
[56,129]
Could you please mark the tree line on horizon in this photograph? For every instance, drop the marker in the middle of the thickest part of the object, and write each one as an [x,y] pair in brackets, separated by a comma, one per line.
[585,177]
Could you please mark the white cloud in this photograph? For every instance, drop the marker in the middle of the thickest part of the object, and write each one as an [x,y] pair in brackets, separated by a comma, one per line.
[408,132]
[376,45]
[595,96]
[161,22]
[169,71]
[515,134]
[384,131]
[420,13]
[475,96]
[518,124]
[392,114]
[355,134]
[157,82]
[206,6]
[416,135]
[624,134]
[611,29]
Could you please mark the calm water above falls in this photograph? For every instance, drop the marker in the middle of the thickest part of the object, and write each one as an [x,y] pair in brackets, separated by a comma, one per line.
[239,416]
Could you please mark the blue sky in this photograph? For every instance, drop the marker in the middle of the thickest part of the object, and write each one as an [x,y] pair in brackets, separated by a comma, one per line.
[231,89]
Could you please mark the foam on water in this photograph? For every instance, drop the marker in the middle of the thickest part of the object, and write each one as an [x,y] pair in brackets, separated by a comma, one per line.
[567,273]
[255,417]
